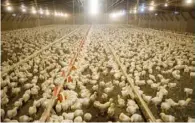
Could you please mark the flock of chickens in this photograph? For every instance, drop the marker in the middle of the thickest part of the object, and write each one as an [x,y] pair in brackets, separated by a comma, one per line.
[161,67]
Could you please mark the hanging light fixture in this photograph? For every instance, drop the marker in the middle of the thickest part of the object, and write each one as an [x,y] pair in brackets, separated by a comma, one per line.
[189,1]
[166,4]
[47,12]
[23,8]
[9,8]
[41,11]
[151,8]
[34,11]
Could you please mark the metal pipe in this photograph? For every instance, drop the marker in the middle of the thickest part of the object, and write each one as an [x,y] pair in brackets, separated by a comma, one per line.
[38,19]
[113,3]
[127,11]
[47,111]
[3,73]
[73,12]
[150,117]
[118,3]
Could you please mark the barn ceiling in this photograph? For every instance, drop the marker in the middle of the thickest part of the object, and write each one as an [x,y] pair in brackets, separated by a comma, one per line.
[65,5]
[106,5]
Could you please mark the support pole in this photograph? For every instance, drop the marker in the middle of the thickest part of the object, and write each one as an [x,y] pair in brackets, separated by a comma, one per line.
[38,19]
[137,5]
[127,11]
[73,19]
[5,71]
[144,107]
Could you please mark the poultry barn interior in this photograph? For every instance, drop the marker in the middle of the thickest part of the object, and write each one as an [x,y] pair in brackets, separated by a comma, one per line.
[97,60]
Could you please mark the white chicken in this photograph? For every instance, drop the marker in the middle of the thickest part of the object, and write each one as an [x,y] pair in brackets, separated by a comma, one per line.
[87,117]
[171,102]
[25,118]
[78,119]
[124,118]
[12,113]
[109,89]
[93,96]
[78,112]
[167,118]
[58,107]
[136,118]
[192,120]
[111,110]
[165,106]
[68,116]
[121,102]
[146,98]
[156,100]
[103,106]
[183,103]
[32,110]
[188,91]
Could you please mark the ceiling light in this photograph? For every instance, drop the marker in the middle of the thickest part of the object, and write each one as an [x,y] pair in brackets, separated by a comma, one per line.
[176,12]
[65,15]
[135,11]
[142,9]
[47,12]
[166,5]
[151,8]
[56,14]
[189,1]
[23,10]
[61,14]
[152,3]
[94,7]
[113,15]
[34,11]
[41,11]
[7,3]
[14,15]
[22,6]
[9,8]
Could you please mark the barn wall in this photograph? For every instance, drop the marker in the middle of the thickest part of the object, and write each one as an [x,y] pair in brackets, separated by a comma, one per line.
[99,19]
[10,22]
[183,22]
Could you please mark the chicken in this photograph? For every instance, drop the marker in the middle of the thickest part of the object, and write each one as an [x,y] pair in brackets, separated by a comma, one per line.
[124,118]
[12,113]
[188,91]
[121,102]
[136,118]
[147,98]
[183,103]
[167,118]
[32,110]
[93,96]
[68,116]
[165,106]
[103,106]
[78,112]
[25,118]
[111,110]
[87,117]
[78,119]
[156,100]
